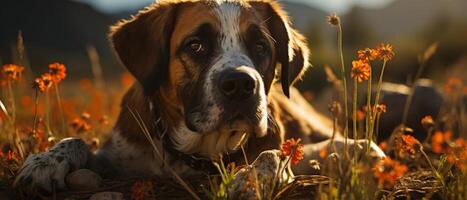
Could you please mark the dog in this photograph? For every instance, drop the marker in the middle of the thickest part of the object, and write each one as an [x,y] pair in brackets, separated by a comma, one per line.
[212,77]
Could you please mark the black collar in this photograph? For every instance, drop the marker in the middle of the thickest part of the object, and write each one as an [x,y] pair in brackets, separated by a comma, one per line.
[194,161]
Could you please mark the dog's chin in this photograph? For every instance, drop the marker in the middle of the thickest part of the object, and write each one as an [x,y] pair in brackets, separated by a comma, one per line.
[227,138]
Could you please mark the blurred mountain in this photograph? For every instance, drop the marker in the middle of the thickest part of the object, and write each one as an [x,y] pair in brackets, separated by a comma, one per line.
[406,17]
[303,16]
[54,30]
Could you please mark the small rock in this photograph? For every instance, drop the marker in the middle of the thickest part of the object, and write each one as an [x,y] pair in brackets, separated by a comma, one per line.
[83,179]
[266,166]
[107,196]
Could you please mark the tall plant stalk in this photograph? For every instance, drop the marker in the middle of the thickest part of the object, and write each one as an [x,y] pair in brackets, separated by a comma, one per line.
[36,104]
[344,82]
[355,132]
[47,113]
[60,108]
[374,113]
[369,111]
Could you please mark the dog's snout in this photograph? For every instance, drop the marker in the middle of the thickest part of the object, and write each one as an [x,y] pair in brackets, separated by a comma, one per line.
[237,85]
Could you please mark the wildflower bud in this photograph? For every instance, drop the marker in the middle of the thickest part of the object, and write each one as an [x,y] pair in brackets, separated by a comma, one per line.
[315,166]
[360,115]
[323,153]
[334,157]
[85,115]
[405,130]
[427,122]
[52,141]
[333,19]
[335,109]
[381,108]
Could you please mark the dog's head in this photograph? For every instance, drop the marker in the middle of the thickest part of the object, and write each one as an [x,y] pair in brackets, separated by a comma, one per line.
[214,62]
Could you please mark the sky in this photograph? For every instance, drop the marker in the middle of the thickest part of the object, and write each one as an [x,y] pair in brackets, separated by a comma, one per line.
[340,6]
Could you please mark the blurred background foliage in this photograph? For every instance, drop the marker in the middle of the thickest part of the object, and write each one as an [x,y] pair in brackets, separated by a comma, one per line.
[65,30]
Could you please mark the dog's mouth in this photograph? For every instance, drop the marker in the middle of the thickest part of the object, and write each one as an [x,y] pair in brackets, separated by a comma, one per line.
[236,133]
[237,140]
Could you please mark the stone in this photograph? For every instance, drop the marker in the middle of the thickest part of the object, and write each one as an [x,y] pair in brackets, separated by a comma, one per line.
[107,196]
[83,179]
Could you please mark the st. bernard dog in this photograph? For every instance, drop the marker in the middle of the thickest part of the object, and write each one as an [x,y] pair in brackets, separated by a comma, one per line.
[212,75]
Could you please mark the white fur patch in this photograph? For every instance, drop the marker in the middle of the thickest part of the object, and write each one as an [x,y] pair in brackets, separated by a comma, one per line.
[43,169]
[209,145]
[232,55]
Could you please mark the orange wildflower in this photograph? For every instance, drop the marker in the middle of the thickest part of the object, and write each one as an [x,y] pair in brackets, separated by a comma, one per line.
[47,82]
[427,122]
[57,71]
[388,171]
[11,156]
[385,51]
[460,142]
[333,19]
[458,154]
[104,120]
[81,124]
[440,141]
[360,115]
[12,72]
[367,54]
[453,85]
[141,190]
[294,149]
[38,85]
[360,70]
[383,146]
[43,83]
[323,153]
[85,115]
[381,108]
[407,144]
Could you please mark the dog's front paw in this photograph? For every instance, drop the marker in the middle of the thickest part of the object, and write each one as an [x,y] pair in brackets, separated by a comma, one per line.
[42,171]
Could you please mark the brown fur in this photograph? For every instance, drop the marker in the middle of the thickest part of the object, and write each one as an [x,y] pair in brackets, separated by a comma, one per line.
[158,30]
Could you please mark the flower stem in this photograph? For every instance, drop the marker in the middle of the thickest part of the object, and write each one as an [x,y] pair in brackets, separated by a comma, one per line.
[36,103]
[368,113]
[438,176]
[378,118]
[13,112]
[13,103]
[47,113]
[344,81]
[377,97]
[380,82]
[355,132]
[60,108]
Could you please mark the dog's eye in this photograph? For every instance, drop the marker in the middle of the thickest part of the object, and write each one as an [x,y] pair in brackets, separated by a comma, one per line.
[260,48]
[196,47]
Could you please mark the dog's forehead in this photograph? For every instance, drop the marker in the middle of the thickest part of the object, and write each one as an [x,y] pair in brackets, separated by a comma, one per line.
[228,18]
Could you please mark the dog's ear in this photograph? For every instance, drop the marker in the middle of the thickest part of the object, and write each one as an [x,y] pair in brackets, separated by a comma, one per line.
[142,44]
[291,49]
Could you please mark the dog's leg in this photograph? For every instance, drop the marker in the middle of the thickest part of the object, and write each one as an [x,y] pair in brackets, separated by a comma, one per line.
[48,169]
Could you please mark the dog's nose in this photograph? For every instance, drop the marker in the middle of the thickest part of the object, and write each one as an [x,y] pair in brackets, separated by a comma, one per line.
[237,85]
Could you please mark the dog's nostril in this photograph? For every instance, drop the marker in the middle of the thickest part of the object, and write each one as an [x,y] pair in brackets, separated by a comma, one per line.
[238,85]
[228,87]
[249,86]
